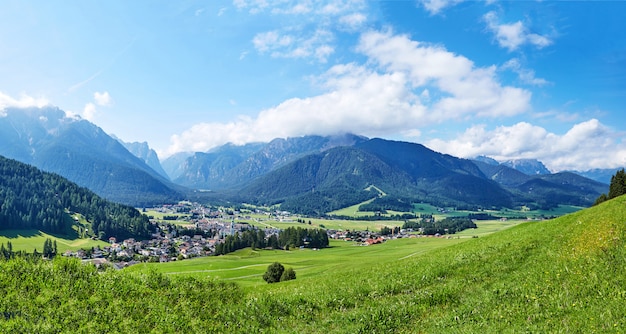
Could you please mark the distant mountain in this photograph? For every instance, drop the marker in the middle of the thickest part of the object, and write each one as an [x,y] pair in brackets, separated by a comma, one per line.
[32,199]
[173,165]
[599,174]
[231,166]
[487,160]
[342,176]
[83,153]
[545,189]
[145,153]
[528,166]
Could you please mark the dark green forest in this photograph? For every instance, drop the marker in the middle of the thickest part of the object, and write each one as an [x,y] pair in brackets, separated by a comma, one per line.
[288,238]
[32,199]
[449,225]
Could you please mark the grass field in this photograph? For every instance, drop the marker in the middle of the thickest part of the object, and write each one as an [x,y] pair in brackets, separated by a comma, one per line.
[247,266]
[158,216]
[28,240]
[564,275]
[423,208]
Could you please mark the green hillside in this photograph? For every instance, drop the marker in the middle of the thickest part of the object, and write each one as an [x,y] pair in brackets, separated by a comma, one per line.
[31,199]
[563,275]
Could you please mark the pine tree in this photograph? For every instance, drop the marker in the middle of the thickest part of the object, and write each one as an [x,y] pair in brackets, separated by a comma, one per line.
[616,188]
[618,184]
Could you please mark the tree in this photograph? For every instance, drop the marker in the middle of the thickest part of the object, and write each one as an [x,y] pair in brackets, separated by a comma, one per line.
[616,188]
[48,248]
[274,272]
[618,184]
[288,274]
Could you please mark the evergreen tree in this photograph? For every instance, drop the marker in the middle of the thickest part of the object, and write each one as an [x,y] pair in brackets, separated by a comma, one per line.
[616,188]
[618,184]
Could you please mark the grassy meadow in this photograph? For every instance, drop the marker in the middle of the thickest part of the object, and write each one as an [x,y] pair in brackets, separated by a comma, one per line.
[158,216]
[559,276]
[28,240]
[247,266]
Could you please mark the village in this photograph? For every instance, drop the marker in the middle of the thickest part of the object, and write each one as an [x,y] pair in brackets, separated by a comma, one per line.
[204,229]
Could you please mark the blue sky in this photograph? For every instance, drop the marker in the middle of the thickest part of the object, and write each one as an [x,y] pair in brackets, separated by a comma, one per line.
[507,79]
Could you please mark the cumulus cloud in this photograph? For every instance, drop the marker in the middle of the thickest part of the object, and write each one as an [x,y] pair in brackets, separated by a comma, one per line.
[464,88]
[436,6]
[357,100]
[405,85]
[24,101]
[586,145]
[102,99]
[513,35]
[89,112]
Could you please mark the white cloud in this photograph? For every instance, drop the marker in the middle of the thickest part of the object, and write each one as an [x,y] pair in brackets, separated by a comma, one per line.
[89,112]
[357,100]
[525,75]
[353,21]
[102,99]
[308,26]
[513,35]
[253,6]
[404,86]
[586,145]
[24,101]
[284,45]
[465,88]
[436,6]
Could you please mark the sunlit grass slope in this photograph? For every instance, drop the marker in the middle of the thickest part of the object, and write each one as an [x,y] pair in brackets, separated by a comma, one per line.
[29,240]
[565,275]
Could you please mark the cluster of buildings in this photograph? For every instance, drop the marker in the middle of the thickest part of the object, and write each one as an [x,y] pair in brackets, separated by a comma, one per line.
[204,228]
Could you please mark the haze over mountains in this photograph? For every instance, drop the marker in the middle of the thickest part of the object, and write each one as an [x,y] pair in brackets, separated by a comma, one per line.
[311,173]
[81,152]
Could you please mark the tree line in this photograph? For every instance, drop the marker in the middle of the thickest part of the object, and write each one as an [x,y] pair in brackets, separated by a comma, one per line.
[291,237]
[448,225]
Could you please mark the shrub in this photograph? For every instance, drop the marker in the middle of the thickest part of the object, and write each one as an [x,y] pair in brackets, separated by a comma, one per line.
[288,274]
[274,273]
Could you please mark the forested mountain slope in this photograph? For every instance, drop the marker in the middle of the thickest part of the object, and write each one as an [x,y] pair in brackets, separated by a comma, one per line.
[32,199]
[231,166]
[341,176]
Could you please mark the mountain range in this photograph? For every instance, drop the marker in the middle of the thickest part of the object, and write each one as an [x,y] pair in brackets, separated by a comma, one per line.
[346,175]
[81,152]
[313,174]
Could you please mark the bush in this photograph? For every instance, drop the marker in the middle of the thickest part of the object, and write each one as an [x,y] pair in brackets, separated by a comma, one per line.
[288,274]
[274,273]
